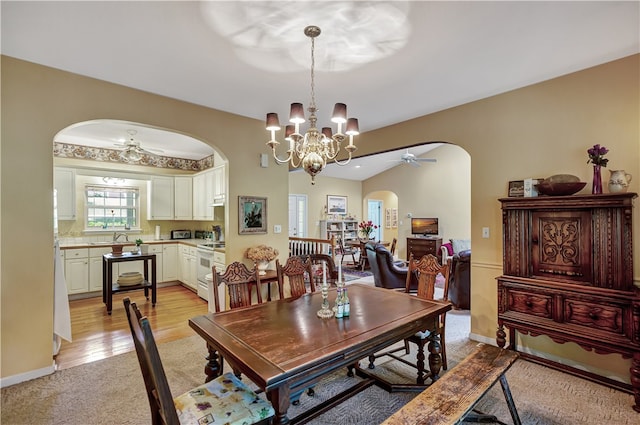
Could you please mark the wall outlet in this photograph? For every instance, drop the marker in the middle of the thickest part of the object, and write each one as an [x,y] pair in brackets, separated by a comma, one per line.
[277,228]
[485,232]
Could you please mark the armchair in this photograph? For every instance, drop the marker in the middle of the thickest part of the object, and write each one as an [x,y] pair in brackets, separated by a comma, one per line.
[460,280]
[390,274]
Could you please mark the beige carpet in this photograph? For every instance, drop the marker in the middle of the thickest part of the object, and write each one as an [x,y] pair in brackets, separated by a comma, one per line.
[111,391]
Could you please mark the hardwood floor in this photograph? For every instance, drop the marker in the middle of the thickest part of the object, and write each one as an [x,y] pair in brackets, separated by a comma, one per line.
[96,335]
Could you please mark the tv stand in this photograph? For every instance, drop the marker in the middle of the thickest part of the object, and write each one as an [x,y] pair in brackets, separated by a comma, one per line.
[423,245]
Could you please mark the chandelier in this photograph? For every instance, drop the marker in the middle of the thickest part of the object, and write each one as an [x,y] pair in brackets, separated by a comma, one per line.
[312,150]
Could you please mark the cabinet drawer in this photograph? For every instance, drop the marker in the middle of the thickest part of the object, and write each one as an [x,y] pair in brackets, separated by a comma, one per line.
[537,304]
[99,252]
[155,249]
[218,257]
[77,253]
[608,318]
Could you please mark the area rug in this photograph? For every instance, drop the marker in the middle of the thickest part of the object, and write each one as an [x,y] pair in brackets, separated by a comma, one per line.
[111,391]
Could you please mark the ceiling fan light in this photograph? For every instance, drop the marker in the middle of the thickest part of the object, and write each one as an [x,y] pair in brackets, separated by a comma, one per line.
[339,113]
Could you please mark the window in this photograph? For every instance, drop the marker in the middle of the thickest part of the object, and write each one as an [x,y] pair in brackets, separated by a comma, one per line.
[112,207]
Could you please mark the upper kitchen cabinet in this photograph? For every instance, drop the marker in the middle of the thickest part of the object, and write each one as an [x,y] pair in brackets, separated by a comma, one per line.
[209,189]
[183,208]
[160,198]
[219,185]
[64,181]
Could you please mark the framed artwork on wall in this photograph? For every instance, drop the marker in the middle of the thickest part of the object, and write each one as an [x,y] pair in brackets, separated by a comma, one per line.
[252,215]
[336,204]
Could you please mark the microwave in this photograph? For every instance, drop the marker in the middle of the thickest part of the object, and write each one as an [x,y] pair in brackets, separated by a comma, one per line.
[181,234]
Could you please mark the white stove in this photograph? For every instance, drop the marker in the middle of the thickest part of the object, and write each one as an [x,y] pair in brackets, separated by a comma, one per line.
[207,258]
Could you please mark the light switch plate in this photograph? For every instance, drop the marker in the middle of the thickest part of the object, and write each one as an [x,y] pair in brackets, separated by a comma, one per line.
[277,228]
[485,232]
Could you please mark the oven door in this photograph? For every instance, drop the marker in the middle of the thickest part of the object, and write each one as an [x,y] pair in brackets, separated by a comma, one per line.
[205,263]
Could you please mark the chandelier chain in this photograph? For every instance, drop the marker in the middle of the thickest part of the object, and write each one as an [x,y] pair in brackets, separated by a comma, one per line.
[313,66]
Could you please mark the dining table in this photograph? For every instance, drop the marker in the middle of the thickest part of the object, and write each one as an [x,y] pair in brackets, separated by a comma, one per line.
[284,347]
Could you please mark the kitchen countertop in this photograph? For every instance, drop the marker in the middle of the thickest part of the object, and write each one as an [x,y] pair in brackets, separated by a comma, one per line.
[191,242]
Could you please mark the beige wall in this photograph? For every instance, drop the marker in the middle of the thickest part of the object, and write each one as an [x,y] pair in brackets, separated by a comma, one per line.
[440,189]
[300,184]
[37,102]
[539,130]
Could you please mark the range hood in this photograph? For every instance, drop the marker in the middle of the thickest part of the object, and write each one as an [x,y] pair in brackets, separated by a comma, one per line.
[217,202]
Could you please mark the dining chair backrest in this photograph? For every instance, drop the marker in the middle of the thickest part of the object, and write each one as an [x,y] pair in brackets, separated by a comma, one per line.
[427,268]
[316,262]
[392,250]
[239,281]
[298,273]
[163,410]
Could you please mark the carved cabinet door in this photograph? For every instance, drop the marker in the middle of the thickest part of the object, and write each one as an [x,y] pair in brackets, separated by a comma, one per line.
[561,245]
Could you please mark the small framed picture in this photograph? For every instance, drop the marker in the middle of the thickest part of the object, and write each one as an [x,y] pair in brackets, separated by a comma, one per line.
[252,215]
[516,188]
[336,205]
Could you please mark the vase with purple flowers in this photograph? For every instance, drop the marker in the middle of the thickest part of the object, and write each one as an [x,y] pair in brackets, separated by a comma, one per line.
[596,157]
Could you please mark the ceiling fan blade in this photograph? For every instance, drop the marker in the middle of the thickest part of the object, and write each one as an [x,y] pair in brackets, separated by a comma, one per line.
[414,163]
[426,159]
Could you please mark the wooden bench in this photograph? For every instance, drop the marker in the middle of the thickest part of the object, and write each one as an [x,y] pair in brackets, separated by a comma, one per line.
[450,399]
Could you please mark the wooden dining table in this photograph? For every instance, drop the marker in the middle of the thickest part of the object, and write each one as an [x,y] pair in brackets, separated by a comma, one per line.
[284,347]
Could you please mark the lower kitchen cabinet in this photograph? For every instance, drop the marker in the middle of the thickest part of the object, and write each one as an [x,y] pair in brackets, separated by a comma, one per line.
[169,262]
[188,266]
[76,270]
[95,268]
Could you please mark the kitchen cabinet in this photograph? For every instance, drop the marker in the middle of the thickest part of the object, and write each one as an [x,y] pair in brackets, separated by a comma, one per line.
[76,270]
[202,186]
[183,198]
[160,198]
[219,185]
[169,262]
[157,249]
[95,268]
[64,181]
[188,266]
[568,274]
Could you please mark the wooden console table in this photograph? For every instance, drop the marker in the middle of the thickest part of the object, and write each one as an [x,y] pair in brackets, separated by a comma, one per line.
[109,288]
[568,274]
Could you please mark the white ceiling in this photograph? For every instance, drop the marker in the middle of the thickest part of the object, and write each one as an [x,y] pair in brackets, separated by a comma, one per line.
[388,61]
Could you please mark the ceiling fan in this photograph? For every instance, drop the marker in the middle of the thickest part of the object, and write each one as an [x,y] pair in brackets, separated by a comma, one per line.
[132,151]
[409,158]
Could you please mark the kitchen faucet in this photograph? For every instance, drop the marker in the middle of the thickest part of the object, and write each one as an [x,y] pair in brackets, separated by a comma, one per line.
[116,236]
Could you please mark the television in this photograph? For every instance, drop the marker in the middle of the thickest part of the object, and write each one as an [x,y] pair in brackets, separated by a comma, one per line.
[424,226]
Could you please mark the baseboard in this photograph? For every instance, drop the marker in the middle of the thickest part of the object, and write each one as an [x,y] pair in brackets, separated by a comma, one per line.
[566,365]
[27,376]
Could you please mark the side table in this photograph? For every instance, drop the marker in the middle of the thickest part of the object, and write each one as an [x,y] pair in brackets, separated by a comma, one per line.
[109,288]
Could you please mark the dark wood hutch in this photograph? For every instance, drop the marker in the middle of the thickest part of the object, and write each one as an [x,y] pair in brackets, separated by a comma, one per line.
[568,274]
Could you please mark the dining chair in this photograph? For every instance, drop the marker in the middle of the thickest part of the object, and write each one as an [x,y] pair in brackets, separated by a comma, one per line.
[224,399]
[317,261]
[346,250]
[299,275]
[426,271]
[239,281]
